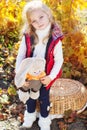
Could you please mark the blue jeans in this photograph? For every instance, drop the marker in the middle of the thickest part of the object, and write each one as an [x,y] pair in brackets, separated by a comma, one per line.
[44,103]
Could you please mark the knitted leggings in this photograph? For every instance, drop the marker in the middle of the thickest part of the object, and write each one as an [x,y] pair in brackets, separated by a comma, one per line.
[44,103]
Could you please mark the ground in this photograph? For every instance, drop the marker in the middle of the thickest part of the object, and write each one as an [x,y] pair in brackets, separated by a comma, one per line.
[79,123]
[13,118]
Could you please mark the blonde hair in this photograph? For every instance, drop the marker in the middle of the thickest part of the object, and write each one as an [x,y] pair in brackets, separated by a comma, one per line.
[32,6]
[29,29]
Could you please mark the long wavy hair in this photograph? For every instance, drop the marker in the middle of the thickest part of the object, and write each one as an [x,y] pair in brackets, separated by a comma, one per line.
[28,8]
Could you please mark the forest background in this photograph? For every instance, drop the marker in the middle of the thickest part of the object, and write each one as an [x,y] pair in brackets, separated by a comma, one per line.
[71,14]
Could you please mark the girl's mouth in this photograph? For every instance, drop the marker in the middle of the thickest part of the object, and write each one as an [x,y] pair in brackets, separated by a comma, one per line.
[41,26]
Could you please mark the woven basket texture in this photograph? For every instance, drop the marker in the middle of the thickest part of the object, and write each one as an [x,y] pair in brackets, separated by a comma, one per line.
[67,94]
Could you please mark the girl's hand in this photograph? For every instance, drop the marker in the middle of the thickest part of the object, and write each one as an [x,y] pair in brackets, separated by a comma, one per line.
[45,80]
[26,84]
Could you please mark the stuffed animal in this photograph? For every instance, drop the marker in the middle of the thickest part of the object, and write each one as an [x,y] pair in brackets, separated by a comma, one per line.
[27,79]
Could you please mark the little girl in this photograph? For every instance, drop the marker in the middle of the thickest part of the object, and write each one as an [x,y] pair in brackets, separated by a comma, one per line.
[45,42]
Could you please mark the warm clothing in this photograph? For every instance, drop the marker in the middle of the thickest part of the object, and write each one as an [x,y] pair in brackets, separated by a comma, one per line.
[51,48]
[49,56]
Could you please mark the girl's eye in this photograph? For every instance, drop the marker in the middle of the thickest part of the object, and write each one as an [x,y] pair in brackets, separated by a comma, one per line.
[33,21]
[41,17]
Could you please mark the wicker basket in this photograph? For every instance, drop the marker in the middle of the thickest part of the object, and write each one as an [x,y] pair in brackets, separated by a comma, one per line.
[67,94]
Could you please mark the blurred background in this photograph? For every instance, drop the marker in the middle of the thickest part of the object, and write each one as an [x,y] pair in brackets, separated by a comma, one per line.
[71,14]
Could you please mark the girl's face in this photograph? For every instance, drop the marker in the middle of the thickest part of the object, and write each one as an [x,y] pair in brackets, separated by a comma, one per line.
[39,19]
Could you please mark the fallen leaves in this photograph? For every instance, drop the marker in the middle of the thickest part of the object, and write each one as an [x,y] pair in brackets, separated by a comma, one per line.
[3,116]
[10,106]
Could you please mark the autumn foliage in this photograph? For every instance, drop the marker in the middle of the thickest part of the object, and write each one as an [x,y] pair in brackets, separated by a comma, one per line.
[71,15]
[74,26]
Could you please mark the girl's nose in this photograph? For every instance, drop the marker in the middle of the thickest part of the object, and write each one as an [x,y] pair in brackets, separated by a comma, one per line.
[38,22]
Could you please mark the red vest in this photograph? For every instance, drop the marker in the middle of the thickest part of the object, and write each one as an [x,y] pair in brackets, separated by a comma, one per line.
[48,56]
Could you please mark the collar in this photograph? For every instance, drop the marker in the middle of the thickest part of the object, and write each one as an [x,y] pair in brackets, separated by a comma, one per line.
[56,32]
[43,33]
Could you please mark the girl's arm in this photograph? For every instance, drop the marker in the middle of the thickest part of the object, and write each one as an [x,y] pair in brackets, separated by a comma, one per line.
[58,60]
[21,54]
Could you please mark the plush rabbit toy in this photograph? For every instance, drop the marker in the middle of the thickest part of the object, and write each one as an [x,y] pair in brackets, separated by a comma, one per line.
[27,78]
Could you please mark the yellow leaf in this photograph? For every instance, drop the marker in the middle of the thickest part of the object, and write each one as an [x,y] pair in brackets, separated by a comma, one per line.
[1,91]
[11,91]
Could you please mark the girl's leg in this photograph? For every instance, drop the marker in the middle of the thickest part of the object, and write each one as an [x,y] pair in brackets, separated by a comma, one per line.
[44,102]
[31,105]
[44,120]
[30,113]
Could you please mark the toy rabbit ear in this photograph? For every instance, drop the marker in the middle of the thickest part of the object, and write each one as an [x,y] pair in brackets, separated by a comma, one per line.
[41,61]
[26,63]
[20,76]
